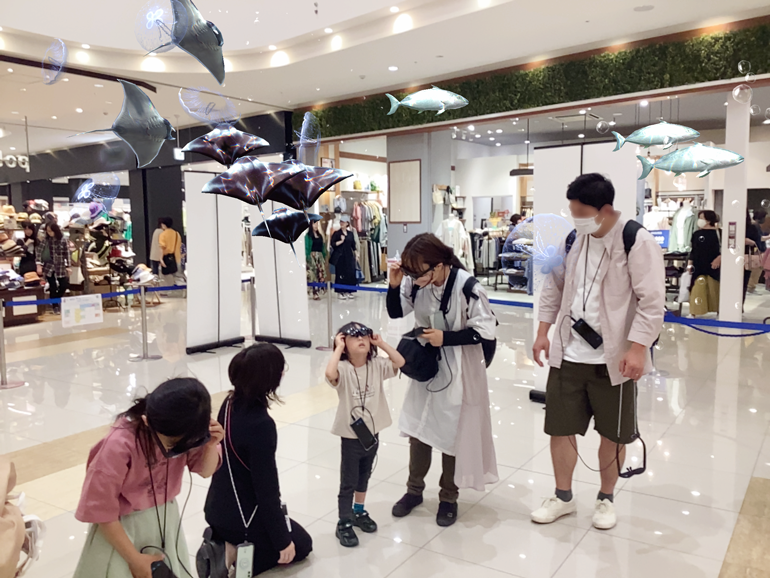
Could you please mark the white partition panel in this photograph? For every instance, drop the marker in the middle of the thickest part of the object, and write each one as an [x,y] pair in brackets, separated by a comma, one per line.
[618,166]
[213,267]
[555,169]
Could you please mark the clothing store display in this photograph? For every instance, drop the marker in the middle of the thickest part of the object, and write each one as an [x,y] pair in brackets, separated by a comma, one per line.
[370,221]
[682,227]
[654,220]
[315,258]
[452,233]
[340,203]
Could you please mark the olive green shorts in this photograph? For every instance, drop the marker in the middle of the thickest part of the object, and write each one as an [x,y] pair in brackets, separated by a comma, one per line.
[579,391]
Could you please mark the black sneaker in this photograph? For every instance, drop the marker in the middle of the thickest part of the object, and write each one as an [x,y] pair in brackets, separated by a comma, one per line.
[364,522]
[406,504]
[447,514]
[346,534]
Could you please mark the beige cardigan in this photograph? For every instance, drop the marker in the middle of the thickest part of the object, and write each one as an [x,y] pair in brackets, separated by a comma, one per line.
[632,298]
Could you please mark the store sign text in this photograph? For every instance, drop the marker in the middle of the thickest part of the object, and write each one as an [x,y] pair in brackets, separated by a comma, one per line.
[13,162]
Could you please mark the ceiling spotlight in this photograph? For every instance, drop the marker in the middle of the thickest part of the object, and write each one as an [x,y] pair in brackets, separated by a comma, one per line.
[280,58]
[402,24]
[766,121]
[725,103]
[497,144]
[393,68]
[336,42]
[78,110]
[478,136]
[328,30]
[499,130]
[581,135]
[271,47]
[471,128]
[318,89]
[394,9]
[526,142]
[86,46]
[489,132]
[612,123]
[582,111]
[65,79]
[97,85]
[643,103]
[53,117]
[13,148]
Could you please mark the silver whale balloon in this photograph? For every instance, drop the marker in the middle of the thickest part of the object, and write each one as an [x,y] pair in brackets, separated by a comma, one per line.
[434,98]
[697,158]
[661,134]
[140,125]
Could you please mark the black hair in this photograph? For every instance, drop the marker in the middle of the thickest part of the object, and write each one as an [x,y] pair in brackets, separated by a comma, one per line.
[53,226]
[760,215]
[168,221]
[177,408]
[31,226]
[356,325]
[255,373]
[160,222]
[427,249]
[592,189]
[515,219]
[710,216]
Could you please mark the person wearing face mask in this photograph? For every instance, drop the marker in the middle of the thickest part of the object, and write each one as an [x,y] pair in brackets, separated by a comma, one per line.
[449,413]
[607,301]
[134,475]
[704,263]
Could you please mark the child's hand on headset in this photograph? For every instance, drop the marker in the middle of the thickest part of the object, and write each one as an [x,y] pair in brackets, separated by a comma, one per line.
[217,432]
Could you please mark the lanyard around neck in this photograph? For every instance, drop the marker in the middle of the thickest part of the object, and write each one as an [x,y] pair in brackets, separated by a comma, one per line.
[246,523]
[585,273]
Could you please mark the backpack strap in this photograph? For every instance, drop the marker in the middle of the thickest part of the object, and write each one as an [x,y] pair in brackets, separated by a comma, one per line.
[570,241]
[629,235]
[470,283]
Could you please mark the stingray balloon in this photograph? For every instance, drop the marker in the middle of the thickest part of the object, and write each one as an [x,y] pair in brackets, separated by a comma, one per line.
[201,40]
[139,125]
[225,144]
[285,225]
[303,190]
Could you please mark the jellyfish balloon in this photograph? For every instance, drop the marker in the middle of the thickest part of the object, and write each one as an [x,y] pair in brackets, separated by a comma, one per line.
[548,233]
[54,60]
[208,106]
[160,25]
[309,139]
[104,186]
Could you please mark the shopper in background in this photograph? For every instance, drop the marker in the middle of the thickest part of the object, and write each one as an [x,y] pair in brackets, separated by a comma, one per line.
[515,220]
[255,514]
[156,252]
[133,479]
[344,258]
[451,412]
[315,256]
[620,295]
[358,375]
[755,246]
[29,243]
[53,262]
[171,248]
[704,263]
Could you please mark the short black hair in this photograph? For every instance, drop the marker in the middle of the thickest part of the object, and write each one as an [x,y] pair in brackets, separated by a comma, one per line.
[168,221]
[710,216]
[256,373]
[592,189]
[760,215]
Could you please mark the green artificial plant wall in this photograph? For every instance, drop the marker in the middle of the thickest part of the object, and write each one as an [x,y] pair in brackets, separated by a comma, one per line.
[655,66]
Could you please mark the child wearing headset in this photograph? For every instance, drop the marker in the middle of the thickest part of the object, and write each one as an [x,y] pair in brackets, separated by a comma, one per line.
[358,374]
[134,475]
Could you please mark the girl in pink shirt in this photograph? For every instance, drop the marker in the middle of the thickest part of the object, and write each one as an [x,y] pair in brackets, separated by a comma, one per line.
[134,475]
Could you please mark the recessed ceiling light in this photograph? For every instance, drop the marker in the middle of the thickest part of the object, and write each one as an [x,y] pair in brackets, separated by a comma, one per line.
[328,30]
[394,9]
[581,135]
[643,103]
[489,132]
[402,24]
[280,58]
[86,46]
[766,121]
[612,123]
[23,89]
[318,89]
[337,42]
[393,68]
[53,117]
[1,28]
[82,57]
[491,138]
[499,130]
[10,70]
[497,144]
[484,3]
[65,79]
[271,47]
[99,85]
[582,111]
[15,112]
[478,136]
[526,142]
[471,128]
[13,148]
[78,110]
[644,8]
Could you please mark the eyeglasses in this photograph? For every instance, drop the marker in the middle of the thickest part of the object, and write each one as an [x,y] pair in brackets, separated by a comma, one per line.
[358,331]
[416,276]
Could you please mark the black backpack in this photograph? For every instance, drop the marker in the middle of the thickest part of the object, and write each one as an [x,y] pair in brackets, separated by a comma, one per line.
[630,230]
[488,345]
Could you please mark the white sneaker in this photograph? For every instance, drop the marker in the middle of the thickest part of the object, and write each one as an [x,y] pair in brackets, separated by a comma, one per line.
[604,515]
[552,509]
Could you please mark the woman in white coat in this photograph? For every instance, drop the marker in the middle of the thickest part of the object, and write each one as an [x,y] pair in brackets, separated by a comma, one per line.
[451,412]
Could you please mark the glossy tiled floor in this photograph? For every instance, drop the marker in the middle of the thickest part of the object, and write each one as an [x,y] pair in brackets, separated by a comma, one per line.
[704,417]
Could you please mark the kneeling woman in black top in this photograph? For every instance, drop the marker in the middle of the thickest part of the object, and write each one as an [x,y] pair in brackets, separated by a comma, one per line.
[255,515]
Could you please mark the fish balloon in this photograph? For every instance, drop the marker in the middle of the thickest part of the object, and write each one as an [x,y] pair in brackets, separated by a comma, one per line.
[198,37]
[428,100]
[697,158]
[661,134]
[225,144]
[140,125]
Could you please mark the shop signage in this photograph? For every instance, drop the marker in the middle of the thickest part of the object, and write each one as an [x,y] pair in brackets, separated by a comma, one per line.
[14,161]
[661,238]
[81,310]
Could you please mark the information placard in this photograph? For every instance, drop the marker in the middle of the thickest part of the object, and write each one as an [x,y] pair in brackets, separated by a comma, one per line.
[81,310]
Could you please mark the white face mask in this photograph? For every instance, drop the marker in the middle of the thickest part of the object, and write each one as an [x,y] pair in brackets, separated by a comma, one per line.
[702,223]
[587,226]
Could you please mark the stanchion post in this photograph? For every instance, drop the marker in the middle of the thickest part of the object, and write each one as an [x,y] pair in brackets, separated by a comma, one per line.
[145,342]
[329,320]
[253,303]
[4,383]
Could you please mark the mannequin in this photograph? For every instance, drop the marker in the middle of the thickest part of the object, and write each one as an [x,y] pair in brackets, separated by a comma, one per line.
[683,227]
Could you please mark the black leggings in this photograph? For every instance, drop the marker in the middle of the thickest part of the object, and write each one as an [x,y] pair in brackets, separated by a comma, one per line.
[355,471]
[57,286]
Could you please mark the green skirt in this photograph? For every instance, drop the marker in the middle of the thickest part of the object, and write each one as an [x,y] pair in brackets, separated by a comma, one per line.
[100,560]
